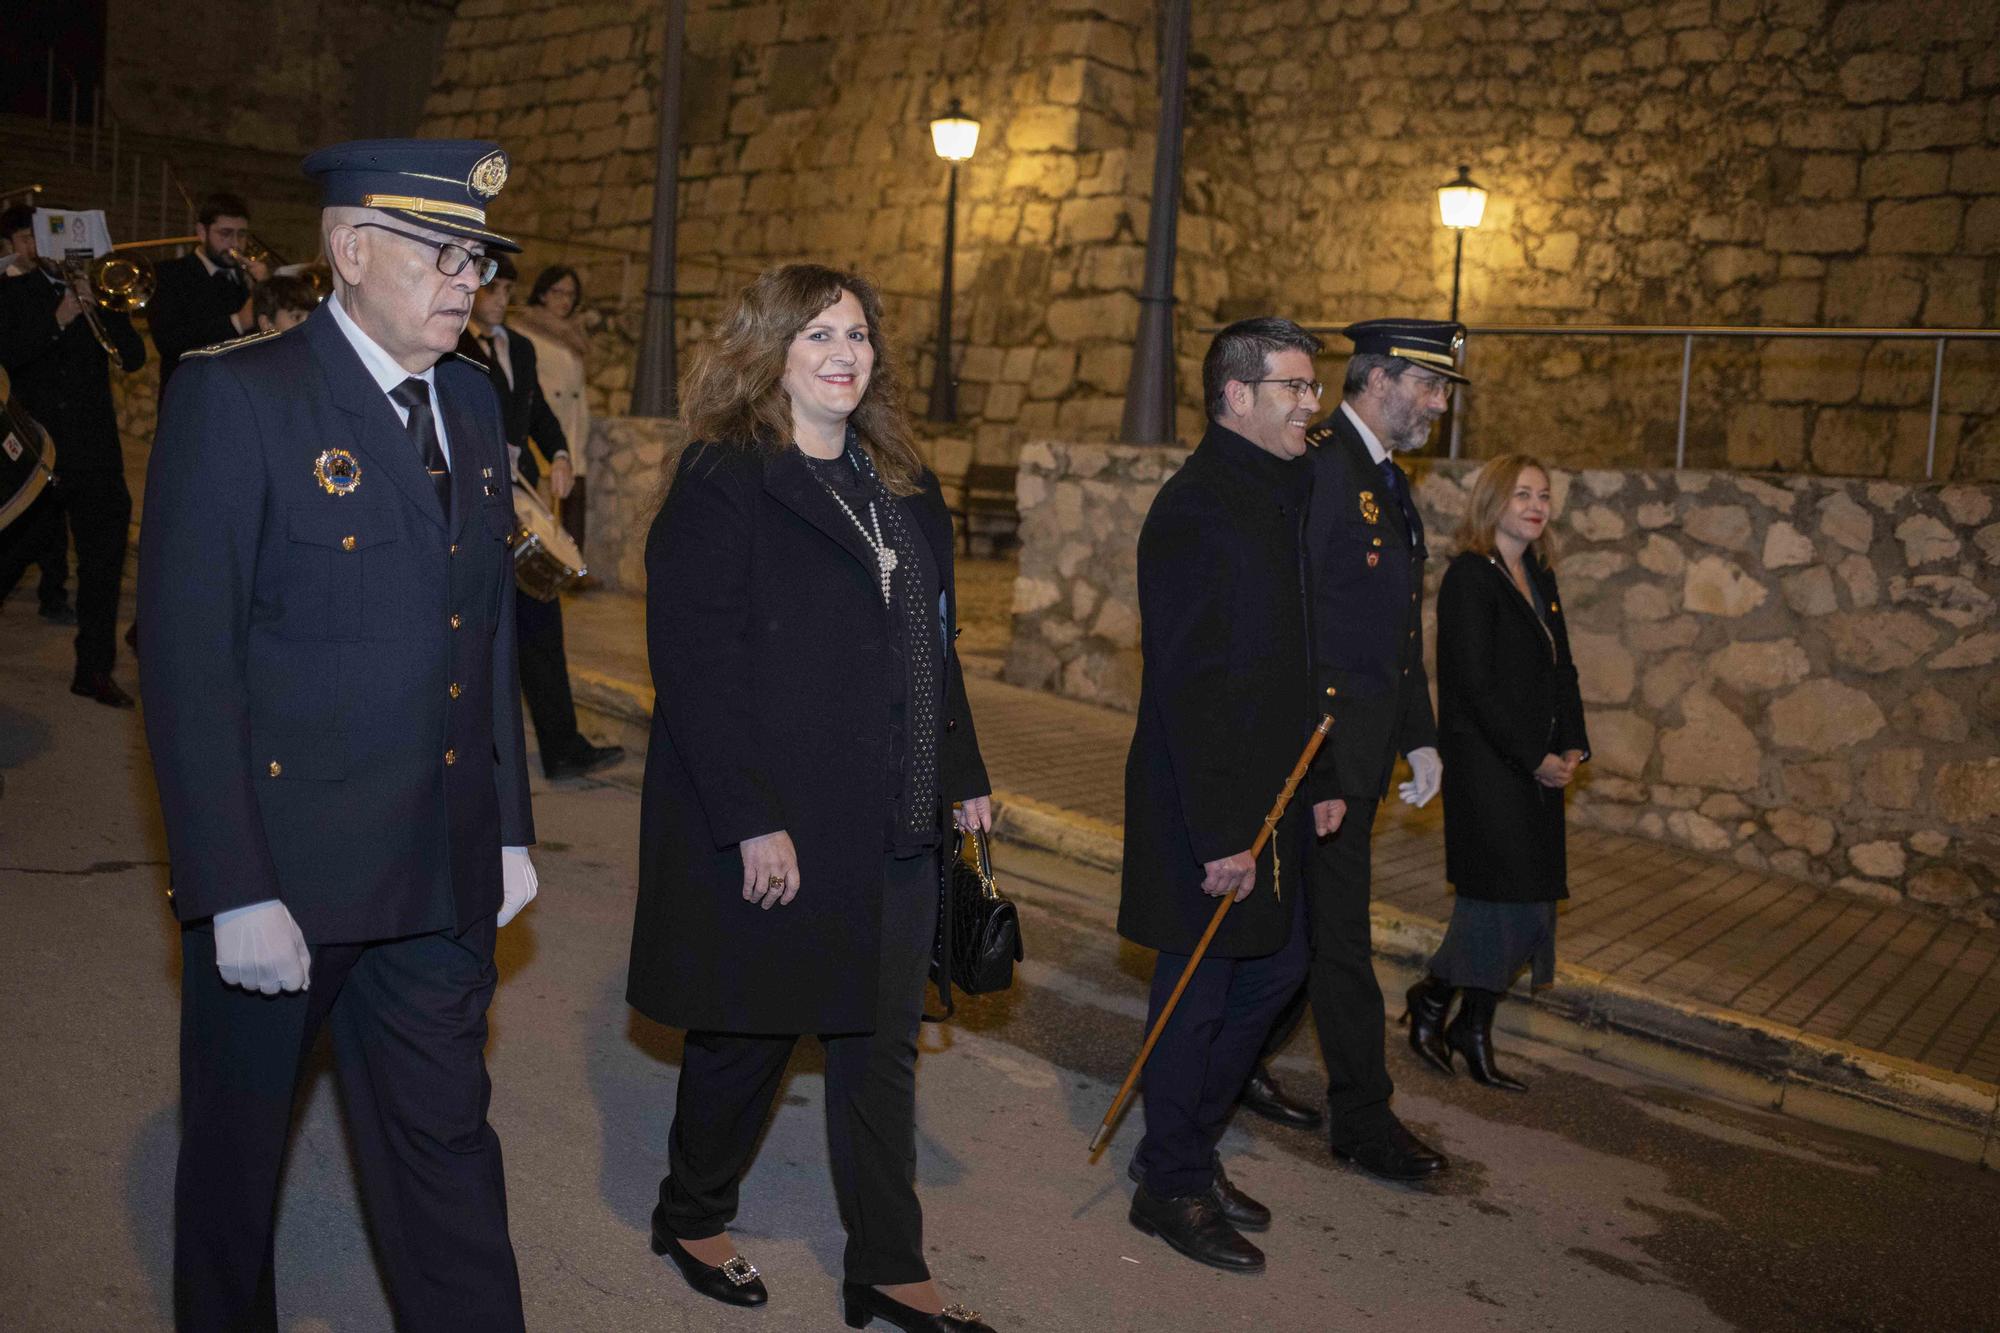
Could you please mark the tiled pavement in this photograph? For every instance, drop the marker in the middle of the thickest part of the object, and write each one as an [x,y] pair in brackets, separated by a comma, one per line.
[1691,931]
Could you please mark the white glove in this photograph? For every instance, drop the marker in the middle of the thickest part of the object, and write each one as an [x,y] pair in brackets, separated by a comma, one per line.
[259,948]
[517,882]
[1426,775]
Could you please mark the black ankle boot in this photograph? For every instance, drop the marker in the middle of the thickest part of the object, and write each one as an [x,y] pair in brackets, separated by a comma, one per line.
[1429,1001]
[1471,1035]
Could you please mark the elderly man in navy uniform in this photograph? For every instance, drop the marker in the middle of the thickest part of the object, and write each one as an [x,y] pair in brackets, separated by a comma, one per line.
[1365,552]
[327,615]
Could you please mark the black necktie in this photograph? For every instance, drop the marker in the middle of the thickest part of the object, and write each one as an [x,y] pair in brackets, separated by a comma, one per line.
[1399,490]
[415,396]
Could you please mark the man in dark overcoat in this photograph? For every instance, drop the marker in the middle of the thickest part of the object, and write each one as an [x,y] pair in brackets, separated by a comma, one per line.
[326,613]
[204,297]
[1366,552]
[62,378]
[1226,704]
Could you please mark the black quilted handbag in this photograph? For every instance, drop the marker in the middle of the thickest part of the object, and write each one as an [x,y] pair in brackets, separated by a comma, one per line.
[978,932]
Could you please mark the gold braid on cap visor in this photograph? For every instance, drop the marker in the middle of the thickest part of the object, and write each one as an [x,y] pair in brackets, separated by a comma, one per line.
[415,204]
[1429,358]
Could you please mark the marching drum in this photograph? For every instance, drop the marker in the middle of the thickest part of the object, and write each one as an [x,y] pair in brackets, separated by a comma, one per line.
[546,560]
[27,456]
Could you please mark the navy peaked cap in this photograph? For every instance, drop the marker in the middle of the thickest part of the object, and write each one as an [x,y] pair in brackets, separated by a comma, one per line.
[1430,343]
[442,184]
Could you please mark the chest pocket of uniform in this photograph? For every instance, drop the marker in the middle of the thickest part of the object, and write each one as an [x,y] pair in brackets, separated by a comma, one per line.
[337,560]
[1356,550]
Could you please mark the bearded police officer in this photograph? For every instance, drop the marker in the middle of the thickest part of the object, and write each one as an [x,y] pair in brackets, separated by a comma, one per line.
[326,608]
[1365,551]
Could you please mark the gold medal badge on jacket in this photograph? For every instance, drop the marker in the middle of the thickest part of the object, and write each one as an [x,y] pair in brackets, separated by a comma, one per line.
[337,472]
[1370,511]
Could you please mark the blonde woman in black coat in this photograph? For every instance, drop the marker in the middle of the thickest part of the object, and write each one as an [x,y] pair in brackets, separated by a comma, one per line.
[810,733]
[1510,729]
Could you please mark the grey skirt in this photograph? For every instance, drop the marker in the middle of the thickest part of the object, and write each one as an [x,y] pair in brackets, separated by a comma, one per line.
[1487,944]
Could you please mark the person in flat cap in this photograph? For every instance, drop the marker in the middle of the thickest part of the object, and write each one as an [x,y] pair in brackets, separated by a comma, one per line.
[327,617]
[1365,555]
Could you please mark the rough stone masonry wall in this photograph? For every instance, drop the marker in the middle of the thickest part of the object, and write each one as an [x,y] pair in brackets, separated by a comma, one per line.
[806,136]
[1784,162]
[1735,161]
[1796,673]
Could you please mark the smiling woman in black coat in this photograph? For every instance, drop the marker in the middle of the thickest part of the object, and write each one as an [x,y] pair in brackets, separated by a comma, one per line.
[1510,731]
[809,732]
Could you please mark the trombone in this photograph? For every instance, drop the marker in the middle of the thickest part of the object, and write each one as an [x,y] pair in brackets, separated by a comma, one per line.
[115,280]
[254,251]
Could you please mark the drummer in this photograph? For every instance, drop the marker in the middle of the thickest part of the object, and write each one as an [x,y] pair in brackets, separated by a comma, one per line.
[509,359]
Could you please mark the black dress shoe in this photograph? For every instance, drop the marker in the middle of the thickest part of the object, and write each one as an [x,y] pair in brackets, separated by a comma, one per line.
[99,687]
[1238,1209]
[862,1304]
[1393,1154]
[1262,1094]
[733,1282]
[586,758]
[62,613]
[1194,1225]
[1429,1000]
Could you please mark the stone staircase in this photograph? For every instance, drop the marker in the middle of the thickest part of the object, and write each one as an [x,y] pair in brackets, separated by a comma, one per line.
[150,167]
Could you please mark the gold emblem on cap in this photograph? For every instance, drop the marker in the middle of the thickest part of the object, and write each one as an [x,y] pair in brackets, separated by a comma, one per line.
[337,472]
[489,175]
[1370,511]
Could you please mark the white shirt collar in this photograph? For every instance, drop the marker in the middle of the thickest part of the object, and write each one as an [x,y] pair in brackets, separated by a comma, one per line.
[382,367]
[1375,449]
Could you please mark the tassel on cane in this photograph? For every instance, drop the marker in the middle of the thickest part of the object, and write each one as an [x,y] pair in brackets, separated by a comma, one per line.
[1103,1134]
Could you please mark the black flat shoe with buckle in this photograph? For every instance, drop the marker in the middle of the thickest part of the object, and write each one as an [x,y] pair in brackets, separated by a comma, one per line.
[862,1304]
[734,1281]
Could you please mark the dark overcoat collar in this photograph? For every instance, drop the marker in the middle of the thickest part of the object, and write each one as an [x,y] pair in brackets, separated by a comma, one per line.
[790,481]
[1365,474]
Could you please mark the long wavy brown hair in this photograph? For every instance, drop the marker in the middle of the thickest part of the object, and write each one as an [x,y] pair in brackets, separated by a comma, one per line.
[1491,490]
[735,394]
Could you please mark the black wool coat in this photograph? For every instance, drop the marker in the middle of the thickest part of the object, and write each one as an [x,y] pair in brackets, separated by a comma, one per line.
[1507,696]
[190,308]
[773,674]
[1225,702]
[524,412]
[61,375]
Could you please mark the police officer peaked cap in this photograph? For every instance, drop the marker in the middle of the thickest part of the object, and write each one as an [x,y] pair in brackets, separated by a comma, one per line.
[442,184]
[1430,343]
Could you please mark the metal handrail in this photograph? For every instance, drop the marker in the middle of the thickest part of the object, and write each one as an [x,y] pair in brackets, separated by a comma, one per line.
[1687,333]
[20,192]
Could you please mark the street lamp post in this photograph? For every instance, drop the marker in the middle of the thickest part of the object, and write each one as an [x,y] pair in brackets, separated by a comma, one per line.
[1461,206]
[954,135]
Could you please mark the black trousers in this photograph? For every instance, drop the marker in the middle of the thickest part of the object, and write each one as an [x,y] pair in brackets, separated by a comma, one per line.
[575,510]
[409,1035]
[538,632]
[728,1082]
[1346,999]
[1198,1066]
[99,508]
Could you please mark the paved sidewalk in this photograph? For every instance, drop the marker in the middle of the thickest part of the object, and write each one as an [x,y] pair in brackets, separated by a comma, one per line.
[1771,990]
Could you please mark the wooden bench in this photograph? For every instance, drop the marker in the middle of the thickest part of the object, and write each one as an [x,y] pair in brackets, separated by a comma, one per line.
[986,492]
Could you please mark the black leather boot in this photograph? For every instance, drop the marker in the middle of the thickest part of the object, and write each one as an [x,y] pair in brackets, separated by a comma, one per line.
[1429,1001]
[1263,1094]
[1471,1035]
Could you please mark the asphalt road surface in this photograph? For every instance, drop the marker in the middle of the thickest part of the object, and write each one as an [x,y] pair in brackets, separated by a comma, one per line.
[1598,1202]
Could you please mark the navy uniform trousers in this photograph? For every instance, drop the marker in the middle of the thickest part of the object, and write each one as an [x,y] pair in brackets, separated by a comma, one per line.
[1192,1079]
[408,1020]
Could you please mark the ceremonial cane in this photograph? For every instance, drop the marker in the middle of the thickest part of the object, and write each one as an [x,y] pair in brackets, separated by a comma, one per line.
[1103,1134]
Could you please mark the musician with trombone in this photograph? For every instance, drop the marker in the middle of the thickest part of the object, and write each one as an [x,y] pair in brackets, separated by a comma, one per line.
[204,297]
[57,345]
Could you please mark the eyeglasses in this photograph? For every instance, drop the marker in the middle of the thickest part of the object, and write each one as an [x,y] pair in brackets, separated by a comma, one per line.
[451,259]
[1299,388]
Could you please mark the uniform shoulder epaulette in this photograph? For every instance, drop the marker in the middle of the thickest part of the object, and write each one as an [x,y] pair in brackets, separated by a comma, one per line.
[472,361]
[231,344]
[1320,434]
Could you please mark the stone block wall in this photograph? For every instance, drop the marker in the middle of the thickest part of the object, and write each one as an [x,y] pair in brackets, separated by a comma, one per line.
[1784,162]
[1793,672]
[627,478]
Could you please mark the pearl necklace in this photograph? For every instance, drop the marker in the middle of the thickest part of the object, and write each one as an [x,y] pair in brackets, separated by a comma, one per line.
[885,555]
